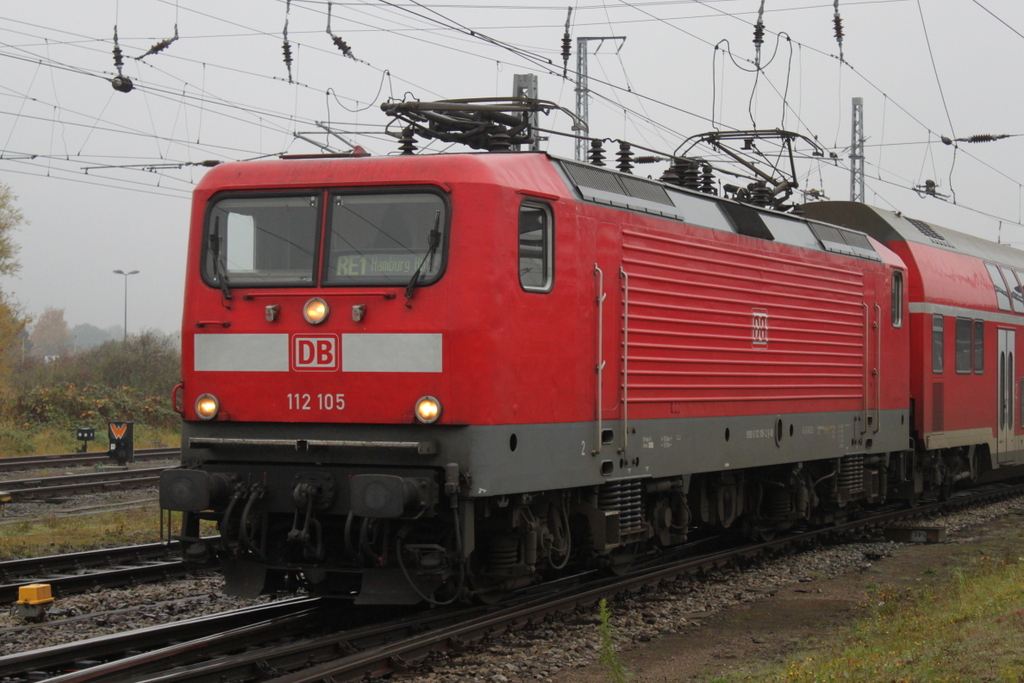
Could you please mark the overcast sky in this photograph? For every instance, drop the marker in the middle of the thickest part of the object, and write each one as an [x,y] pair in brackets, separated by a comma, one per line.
[104,177]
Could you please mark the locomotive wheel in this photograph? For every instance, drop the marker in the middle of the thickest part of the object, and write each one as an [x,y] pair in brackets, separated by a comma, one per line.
[621,560]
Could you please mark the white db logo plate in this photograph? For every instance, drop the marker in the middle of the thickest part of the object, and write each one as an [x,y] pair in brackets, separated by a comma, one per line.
[315,352]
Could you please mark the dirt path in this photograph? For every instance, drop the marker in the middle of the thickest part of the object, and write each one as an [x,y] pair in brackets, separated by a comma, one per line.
[795,616]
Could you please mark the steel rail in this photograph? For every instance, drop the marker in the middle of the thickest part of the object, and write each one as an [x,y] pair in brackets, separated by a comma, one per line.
[81,571]
[79,459]
[396,647]
[39,488]
[281,616]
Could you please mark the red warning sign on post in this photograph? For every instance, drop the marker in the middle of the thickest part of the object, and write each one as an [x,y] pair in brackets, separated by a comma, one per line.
[122,441]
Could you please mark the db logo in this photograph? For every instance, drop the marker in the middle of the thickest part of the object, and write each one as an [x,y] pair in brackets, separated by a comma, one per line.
[759,327]
[315,352]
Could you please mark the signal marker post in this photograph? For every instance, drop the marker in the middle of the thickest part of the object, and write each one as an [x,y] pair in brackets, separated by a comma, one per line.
[122,441]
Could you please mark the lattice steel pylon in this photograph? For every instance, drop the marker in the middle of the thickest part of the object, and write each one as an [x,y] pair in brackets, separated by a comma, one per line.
[525,86]
[583,91]
[857,152]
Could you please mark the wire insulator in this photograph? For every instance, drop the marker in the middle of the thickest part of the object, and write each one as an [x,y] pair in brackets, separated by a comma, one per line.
[648,159]
[837,22]
[161,46]
[498,140]
[758,34]
[286,48]
[672,174]
[596,153]
[760,195]
[625,157]
[407,143]
[985,137]
[691,175]
[118,55]
[566,45]
[759,29]
[342,45]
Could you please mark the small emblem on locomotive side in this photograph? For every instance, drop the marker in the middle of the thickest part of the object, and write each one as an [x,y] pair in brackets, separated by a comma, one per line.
[759,327]
[318,352]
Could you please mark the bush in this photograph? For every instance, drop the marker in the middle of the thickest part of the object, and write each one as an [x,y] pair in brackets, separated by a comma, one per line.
[118,380]
[67,406]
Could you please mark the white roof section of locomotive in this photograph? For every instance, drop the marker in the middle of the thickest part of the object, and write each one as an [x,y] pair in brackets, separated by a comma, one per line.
[627,191]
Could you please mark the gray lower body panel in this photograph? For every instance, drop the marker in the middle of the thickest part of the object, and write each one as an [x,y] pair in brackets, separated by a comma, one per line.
[510,459]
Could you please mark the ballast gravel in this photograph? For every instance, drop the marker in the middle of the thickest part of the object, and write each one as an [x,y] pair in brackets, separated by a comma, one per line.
[550,652]
[111,610]
[547,652]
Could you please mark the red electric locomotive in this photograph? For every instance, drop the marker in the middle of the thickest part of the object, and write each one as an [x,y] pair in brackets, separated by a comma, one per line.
[433,377]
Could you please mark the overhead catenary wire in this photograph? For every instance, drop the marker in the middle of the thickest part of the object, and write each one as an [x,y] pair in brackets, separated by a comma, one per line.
[201,98]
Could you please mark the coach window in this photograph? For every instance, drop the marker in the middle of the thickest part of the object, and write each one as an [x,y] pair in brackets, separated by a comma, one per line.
[536,247]
[937,344]
[1015,294]
[1002,296]
[979,347]
[897,298]
[964,327]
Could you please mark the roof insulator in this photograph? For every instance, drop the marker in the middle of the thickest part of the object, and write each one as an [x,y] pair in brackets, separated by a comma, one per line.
[625,157]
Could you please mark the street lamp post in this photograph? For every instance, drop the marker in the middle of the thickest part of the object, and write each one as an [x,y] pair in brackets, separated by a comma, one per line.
[121,272]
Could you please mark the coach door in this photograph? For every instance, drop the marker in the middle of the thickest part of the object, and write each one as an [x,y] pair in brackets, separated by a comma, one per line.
[1006,404]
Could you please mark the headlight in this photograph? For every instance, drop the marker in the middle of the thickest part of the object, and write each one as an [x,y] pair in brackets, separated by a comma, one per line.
[315,310]
[428,409]
[207,406]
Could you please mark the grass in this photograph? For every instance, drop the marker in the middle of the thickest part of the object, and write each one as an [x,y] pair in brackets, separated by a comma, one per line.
[967,629]
[608,657]
[35,537]
[49,440]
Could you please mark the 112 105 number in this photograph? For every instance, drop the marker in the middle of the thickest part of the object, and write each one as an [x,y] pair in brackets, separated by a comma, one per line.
[316,401]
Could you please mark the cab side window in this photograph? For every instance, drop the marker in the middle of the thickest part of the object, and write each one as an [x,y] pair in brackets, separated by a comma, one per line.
[536,247]
[897,298]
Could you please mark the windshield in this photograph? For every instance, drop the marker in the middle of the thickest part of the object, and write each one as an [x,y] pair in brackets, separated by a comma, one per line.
[262,240]
[372,239]
[381,239]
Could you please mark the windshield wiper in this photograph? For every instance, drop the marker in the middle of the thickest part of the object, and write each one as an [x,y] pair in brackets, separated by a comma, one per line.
[219,267]
[433,242]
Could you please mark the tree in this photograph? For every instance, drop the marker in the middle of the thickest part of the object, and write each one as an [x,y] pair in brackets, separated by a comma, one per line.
[50,335]
[12,319]
[87,336]
[10,219]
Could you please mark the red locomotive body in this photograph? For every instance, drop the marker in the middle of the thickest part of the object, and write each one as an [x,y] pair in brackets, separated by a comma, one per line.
[431,377]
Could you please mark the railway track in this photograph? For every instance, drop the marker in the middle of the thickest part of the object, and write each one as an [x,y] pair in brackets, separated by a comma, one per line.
[82,571]
[43,488]
[30,462]
[396,647]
